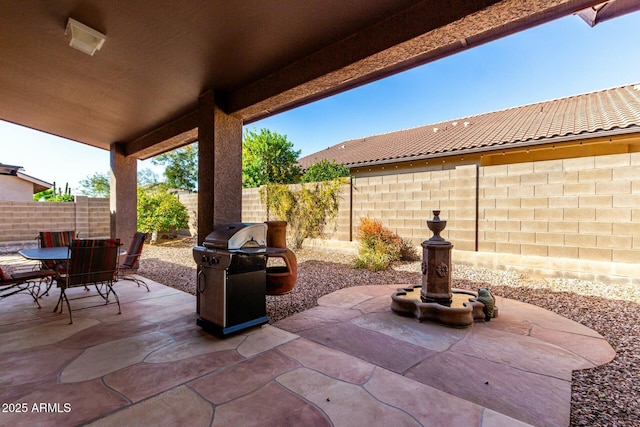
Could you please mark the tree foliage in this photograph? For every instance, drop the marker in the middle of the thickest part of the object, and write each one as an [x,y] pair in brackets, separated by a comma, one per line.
[99,184]
[96,185]
[324,170]
[160,210]
[147,177]
[268,158]
[306,207]
[181,167]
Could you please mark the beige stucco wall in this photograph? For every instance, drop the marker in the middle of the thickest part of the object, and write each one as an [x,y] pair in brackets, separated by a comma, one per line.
[15,189]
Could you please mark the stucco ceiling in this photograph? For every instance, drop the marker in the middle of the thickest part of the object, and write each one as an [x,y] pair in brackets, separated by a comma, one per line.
[259,57]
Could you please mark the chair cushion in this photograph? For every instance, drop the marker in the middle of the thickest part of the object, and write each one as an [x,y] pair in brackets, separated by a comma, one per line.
[3,277]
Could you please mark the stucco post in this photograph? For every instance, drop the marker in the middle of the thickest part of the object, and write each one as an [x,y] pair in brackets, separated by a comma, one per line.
[123,196]
[219,166]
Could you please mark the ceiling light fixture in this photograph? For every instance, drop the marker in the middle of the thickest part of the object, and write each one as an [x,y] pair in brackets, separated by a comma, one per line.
[83,38]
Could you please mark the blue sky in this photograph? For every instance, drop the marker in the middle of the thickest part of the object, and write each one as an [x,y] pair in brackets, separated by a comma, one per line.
[562,58]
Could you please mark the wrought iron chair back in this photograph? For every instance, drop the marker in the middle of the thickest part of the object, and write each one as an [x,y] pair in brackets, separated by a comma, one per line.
[132,262]
[54,239]
[28,281]
[92,262]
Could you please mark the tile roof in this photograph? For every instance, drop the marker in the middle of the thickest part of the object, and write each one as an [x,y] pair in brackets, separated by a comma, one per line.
[587,114]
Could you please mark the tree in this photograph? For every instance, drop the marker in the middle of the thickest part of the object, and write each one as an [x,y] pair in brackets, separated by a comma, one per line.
[99,184]
[96,185]
[147,177]
[324,170]
[268,158]
[160,210]
[181,167]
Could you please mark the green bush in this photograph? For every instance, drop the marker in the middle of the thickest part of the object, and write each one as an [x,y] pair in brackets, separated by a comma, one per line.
[372,260]
[159,210]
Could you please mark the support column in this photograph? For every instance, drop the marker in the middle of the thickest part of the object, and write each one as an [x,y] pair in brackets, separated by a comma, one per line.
[123,196]
[219,166]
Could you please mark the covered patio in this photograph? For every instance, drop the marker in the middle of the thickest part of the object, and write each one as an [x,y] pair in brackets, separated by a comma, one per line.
[348,361]
[170,74]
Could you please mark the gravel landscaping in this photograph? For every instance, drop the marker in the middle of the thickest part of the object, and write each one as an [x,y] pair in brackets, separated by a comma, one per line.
[604,396]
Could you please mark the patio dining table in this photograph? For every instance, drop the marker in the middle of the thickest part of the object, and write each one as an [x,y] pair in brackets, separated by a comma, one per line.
[59,253]
[56,253]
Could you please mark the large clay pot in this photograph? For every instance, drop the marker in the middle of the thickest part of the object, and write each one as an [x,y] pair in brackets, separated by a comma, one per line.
[280,279]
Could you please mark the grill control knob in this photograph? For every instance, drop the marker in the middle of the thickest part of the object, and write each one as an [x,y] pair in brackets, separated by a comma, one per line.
[205,259]
[215,261]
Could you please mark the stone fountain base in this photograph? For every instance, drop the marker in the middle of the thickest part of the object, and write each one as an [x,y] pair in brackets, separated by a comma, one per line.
[464,309]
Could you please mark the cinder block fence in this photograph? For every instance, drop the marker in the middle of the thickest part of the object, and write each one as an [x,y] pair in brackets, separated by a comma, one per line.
[20,222]
[576,217]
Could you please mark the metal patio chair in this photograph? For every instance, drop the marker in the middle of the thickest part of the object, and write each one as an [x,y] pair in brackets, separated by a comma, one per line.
[11,284]
[130,266]
[53,239]
[92,262]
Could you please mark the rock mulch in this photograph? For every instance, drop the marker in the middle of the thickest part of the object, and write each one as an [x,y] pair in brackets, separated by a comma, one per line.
[605,396]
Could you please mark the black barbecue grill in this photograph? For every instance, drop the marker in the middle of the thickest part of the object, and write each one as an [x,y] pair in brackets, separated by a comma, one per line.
[231,285]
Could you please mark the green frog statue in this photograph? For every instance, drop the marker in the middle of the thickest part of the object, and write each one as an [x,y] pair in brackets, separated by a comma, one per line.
[485,297]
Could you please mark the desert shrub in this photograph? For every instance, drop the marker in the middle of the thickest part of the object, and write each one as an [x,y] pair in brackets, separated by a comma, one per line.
[371,260]
[306,208]
[379,246]
[408,252]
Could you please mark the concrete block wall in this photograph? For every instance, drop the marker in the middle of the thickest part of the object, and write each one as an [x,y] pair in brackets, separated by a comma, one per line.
[340,228]
[571,217]
[190,202]
[22,221]
[98,218]
[574,217]
[253,210]
[574,208]
[404,202]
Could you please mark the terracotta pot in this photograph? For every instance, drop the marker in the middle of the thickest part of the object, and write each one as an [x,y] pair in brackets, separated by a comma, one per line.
[280,279]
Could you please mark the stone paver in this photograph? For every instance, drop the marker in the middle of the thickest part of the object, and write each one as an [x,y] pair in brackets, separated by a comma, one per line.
[346,404]
[243,378]
[177,407]
[374,347]
[426,404]
[272,405]
[530,397]
[103,359]
[154,378]
[330,362]
[349,361]
[42,335]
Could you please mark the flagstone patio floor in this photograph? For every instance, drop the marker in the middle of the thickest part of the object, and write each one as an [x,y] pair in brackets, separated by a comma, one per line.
[349,361]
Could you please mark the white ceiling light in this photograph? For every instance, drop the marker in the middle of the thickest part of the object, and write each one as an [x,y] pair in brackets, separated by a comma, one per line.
[83,38]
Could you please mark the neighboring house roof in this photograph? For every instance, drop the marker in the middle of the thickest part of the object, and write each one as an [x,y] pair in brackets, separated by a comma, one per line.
[610,111]
[38,184]
[9,169]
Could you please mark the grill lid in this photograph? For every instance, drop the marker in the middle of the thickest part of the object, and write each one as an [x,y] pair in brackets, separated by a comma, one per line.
[237,235]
